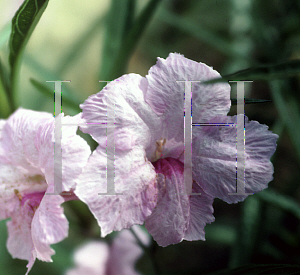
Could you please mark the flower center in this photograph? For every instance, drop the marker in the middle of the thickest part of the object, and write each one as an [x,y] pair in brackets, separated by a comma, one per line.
[30,202]
[169,167]
[159,149]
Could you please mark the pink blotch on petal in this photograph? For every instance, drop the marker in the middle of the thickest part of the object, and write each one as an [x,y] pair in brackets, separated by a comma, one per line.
[26,172]
[177,216]
[135,122]
[169,219]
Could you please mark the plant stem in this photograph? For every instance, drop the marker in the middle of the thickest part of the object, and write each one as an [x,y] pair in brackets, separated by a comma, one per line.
[148,252]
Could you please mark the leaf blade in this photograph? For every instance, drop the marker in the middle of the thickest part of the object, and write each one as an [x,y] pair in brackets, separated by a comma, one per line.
[23,24]
[119,22]
[265,72]
[49,93]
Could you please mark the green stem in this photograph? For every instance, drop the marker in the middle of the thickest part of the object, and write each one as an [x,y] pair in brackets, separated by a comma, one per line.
[147,251]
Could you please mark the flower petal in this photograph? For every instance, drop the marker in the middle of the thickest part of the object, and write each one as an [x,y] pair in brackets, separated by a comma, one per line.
[17,139]
[169,220]
[49,225]
[134,178]
[214,158]
[201,213]
[166,96]
[19,242]
[16,180]
[73,148]
[135,122]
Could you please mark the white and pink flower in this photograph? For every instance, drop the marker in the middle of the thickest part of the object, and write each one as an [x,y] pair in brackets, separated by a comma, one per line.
[149,152]
[27,173]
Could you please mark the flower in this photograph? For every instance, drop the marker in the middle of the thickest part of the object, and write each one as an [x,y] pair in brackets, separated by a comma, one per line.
[149,152]
[98,258]
[27,173]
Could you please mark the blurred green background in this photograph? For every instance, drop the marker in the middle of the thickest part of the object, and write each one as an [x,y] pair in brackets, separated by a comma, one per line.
[88,41]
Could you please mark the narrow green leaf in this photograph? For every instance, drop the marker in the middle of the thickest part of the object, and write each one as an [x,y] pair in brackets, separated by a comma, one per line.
[221,234]
[5,98]
[119,22]
[41,72]
[131,40]
[46,90]
[4,76]
[248,232]
[23,24]
[280,201]
[200,32]
[267,72]
[250,101]
[288,110]
[4,104]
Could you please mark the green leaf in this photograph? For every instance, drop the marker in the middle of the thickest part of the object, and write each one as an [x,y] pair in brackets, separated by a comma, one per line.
[23,24]
[44,89]
[131,40]
[288,110]
[41,72]
[248,232]
[200,32]
[119,22]
[221,234]
[5,99]
[250,101]
[267,72]
[280,201]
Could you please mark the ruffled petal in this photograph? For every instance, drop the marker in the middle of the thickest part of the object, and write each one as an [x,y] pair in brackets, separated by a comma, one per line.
[73,148]
[2,122]
[214,158]
[201,213]
[49,225]
[135,122]
[19,242]
[134,178]
[17,139]
[166,96]
[169,220]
